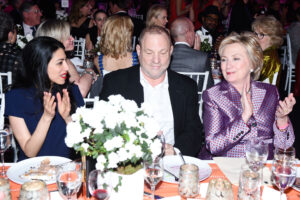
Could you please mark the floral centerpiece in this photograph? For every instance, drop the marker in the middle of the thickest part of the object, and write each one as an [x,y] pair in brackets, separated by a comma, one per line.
[206,41]
[21,39]
[117,133]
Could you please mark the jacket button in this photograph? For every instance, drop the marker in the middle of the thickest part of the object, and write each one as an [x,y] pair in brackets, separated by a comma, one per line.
[254,124]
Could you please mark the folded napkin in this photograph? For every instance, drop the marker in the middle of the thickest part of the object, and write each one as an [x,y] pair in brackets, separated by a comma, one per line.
[269,193]
[203,189]
[231,167]
[78,63]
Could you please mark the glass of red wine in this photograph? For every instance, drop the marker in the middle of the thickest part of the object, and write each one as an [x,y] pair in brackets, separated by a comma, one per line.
[284,175]
[98,187]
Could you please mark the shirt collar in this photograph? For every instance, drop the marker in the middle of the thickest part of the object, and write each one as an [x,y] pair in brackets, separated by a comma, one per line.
[145,83]
[185,43]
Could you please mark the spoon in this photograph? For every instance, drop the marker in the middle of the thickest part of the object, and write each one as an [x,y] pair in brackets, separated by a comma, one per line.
[182,158]
[176,178]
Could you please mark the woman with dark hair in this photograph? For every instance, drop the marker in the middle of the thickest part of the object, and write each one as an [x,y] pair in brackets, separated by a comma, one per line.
[93,34]
[40,104]
[79,18]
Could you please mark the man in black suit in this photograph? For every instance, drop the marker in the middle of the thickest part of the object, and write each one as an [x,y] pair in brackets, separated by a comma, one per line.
[172,96]
[184,57]
[119,7]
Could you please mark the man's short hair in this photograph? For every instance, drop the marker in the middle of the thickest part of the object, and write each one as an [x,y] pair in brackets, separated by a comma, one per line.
[26,7]
[154,29]
[122,4]
[209,10]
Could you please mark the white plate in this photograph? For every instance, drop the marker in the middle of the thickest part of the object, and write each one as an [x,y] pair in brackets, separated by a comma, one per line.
[14,173]
[173,163]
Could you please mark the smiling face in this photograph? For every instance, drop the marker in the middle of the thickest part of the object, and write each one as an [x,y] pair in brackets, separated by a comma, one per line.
[162,19]
[154,56]
[236,65]
[58,68]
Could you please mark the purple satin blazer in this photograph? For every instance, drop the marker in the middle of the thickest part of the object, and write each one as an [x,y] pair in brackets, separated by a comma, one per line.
[225,131]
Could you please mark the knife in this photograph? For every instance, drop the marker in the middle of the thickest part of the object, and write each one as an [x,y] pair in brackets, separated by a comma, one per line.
[176,178]
[155,196]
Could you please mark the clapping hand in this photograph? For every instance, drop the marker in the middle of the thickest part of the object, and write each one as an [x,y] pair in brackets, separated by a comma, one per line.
[64,105]
[246,103]
[284,108]
[49,105]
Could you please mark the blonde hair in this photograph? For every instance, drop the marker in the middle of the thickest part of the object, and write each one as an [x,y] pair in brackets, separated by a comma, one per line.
[57,29]
[153,13]
[270,26]
[253,49]
[116,36]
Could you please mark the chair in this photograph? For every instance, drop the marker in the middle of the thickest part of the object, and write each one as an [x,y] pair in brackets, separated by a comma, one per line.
[273,81]
[89,102]
[291,75]
[133,43]
[199,77]
[79,48]
[5,79]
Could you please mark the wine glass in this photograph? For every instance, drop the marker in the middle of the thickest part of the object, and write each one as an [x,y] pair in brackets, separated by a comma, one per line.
[153,173]
[256,153]
[162,139]
[285,155]
[5,143]
[69,179]
[284,175]
[98,187]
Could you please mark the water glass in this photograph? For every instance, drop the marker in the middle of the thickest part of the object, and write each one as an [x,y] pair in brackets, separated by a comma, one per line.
[249,184]
[286,156]
[88,60]
[284,175]
[34,190]
[154,172]
[5,143]
[69,179]
[4,189]
[256,153]
[189,180]
[99,188]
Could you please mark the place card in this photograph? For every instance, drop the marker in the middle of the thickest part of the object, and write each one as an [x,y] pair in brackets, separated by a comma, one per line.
[203,189]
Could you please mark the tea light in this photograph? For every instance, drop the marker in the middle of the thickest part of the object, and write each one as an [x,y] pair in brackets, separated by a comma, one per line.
[34,190]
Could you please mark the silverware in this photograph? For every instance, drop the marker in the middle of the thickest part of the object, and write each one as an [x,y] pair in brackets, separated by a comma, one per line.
[182,158]
[176,178]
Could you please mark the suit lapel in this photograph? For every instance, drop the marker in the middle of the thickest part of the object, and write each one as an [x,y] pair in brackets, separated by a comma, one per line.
[258,95]
[136,91]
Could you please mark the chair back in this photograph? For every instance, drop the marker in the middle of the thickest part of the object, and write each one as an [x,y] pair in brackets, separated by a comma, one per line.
[291,76]
[89,102]
[79,48]
[201,79]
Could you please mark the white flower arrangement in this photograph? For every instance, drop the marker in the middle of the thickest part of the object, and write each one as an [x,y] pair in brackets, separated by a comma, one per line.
[61,15]
[116,133]
[21,39]
[206,41]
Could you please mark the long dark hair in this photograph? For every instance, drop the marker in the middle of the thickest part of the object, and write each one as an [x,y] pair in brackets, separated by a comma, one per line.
[36,56]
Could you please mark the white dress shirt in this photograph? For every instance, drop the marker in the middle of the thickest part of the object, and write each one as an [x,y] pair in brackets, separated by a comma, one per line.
[27,29]
[158,97]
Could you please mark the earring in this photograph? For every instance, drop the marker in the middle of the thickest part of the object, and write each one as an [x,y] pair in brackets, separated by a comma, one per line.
[251,70]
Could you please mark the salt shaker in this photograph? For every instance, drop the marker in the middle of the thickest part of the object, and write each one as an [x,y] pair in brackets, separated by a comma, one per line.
[188,181]
[4,189]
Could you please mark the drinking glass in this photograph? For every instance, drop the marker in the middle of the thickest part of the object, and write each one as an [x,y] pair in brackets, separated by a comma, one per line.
[88,59]
[69,179]
[285,155]
[34,189]
[5,143]
[256,153]
[284,175]
[153,173]
[249,184]
[188,181]
[98,187]
[162,139]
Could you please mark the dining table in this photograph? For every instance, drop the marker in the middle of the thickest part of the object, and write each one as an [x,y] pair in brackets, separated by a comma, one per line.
[163,189]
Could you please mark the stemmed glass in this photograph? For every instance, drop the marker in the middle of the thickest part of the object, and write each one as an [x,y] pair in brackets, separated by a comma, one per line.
[162,139]
[5,143]
[69,179]
[256,153]
[284,155]
[153,173]
[284,175]
[98,187]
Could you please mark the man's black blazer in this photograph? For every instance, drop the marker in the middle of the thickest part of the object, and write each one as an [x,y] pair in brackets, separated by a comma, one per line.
[183,97]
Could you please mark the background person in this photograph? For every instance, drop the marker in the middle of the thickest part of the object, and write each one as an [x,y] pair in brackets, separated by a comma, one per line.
[157,15]
[40,104]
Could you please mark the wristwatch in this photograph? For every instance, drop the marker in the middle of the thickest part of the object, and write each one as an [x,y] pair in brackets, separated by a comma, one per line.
[90,73]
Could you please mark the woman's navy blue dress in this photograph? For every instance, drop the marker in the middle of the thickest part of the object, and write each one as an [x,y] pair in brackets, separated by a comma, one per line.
[21,102]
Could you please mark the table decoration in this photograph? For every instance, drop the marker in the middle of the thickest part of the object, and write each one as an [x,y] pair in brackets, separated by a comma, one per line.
[188,181]
[120,136]
[218,189]
[4,189]
[34,190]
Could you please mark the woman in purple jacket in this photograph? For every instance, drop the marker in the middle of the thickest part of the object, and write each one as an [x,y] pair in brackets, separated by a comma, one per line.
[240,108]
